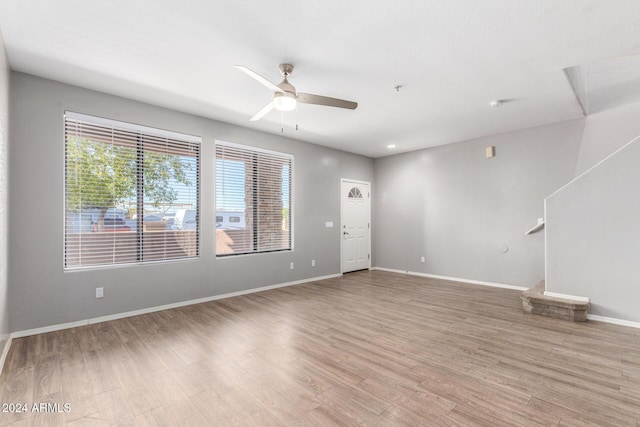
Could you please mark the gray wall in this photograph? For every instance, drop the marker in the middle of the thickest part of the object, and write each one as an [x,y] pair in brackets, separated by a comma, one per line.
[4,191]
[593,232]
[461,210]
[43,294]
[607,131]
[593,236]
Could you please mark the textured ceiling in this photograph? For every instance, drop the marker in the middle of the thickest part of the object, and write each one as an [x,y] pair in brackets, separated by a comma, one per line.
[451,57]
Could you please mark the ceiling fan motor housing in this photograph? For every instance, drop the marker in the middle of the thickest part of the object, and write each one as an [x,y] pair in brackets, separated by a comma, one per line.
[285,101]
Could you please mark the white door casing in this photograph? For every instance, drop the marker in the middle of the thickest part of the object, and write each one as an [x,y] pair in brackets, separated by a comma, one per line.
[355,232]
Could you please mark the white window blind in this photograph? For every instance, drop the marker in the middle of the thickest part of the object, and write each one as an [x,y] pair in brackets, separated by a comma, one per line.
[129,193]
[253,200]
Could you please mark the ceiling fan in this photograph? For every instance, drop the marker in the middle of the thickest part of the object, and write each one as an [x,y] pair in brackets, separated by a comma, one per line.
[285,97]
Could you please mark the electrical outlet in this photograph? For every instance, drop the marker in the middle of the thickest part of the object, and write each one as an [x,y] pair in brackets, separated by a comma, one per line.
[313,263]
[291,266]
[422,259]
[99,292]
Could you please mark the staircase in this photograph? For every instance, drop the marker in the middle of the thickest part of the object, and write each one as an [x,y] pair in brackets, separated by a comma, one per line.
[592,242]
[536,302]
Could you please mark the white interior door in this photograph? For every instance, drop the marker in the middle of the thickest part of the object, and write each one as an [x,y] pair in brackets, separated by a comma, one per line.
[356,214]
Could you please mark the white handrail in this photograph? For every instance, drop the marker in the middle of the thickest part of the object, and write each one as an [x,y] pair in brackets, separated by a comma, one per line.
[536,227]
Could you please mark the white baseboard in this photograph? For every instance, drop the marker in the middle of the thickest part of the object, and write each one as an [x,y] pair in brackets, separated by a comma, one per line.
[5,352]
[51,328]
[613,320]
[453,279]
[58,327]
[571,297]
[390,270]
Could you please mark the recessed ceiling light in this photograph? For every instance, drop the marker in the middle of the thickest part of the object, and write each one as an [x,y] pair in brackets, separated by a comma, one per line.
[496,103]
[391,146]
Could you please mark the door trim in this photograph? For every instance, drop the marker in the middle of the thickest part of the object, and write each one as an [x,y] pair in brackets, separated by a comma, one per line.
[355,181]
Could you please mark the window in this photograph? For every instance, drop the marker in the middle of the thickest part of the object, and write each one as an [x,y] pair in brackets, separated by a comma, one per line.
[355,193]
[253,200]
[124,185]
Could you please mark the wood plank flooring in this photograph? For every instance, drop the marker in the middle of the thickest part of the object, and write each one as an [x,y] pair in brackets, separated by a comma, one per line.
[369,348]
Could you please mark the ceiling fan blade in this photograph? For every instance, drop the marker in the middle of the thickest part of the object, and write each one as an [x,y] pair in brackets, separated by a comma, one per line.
[263,112]
[307,98]
[259,78]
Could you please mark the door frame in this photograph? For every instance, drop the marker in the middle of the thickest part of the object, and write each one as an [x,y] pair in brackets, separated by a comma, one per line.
[355,181]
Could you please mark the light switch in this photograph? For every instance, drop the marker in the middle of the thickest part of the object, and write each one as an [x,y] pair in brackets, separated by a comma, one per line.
[490,152]
[328,224]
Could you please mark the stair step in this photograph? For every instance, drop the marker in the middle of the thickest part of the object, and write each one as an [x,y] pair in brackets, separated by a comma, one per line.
[536,302]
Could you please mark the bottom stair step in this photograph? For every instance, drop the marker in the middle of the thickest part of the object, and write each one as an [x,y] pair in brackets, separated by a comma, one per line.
[536,302]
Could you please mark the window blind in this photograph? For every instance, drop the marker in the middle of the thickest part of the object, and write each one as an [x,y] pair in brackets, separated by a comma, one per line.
[131,193]
[253,200]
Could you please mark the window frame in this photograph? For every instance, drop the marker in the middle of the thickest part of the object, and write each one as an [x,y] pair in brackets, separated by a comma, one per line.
[257,150]
[143,131]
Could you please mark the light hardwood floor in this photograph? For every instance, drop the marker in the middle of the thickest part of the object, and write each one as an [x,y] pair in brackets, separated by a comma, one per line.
[370,348]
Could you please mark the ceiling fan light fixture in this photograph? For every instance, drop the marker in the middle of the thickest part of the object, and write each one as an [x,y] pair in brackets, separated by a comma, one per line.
[284,101]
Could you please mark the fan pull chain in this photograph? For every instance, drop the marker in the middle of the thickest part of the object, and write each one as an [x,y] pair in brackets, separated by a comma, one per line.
[296,118]
[281,122]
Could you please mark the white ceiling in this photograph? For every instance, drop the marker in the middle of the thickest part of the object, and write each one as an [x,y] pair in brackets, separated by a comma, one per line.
[606,84]
[452,58]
